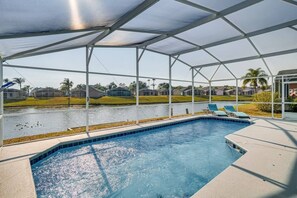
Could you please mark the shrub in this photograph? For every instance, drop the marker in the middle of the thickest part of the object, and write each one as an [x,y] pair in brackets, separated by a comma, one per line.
[293,107]
[266,97]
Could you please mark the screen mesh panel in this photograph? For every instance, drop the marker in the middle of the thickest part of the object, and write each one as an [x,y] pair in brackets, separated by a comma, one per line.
[41,15]
[9,47]
[279,40]
[120,38]
[166,15]
[210,32]
[197,57]
[234,50]
[170,46]
[264,14]
[83,41]
[217,5]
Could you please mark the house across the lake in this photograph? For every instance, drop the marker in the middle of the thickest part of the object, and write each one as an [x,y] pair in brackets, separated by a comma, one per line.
[220,91]
[47,92]
[179,91]
[14,94]
[119,91]
[148,92]
[248,91]
[188,91]
[93,92]
[206,91]
[232,91]
[164,92]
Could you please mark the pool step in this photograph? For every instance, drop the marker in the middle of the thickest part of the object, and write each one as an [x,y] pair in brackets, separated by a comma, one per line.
[236,147]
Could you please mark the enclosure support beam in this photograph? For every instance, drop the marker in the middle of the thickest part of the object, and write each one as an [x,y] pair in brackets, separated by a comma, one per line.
[170,84]
[250,58]
[215,72]
[169,91]
[209,100]
[193,92]
[88,59]
[236,94]
[198,72]
[137,84]
[1,105]
[272,97]
[283,98]
[95,73]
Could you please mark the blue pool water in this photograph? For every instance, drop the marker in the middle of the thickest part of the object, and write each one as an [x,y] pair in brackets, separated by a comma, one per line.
[173,161]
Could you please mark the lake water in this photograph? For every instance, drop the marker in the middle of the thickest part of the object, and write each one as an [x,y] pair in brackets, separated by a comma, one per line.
[20,122]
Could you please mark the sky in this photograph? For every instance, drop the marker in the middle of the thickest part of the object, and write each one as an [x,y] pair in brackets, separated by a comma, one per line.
[123,61]
[117,60]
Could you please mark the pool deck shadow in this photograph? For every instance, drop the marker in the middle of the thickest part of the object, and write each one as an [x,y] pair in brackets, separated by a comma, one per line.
[268,169]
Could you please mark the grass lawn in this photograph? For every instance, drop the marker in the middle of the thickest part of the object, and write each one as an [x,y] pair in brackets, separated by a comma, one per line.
[251,109]
[107,100]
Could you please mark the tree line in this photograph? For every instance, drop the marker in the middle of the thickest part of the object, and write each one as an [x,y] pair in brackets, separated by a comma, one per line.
[258,79]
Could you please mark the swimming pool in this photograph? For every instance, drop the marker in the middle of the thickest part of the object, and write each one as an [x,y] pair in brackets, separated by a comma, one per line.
[171,161]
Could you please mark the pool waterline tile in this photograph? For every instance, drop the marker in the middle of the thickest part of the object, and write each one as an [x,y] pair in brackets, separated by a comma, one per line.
[48,152]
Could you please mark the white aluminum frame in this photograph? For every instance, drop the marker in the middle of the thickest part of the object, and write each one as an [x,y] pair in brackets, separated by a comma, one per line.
[105,31]
[1,105]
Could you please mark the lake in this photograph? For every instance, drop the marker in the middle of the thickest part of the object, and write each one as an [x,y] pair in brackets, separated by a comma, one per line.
[20,122]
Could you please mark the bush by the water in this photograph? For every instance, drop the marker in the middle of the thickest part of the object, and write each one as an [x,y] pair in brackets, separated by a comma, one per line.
[293,107]
[266,97]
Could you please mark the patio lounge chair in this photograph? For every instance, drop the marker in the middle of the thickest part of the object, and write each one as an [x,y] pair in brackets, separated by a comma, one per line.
[231,111]
[215,111]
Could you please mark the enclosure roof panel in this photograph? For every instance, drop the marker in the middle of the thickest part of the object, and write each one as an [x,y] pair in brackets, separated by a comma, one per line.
[14,46]
[210,32]
[166,15]
[18,17]
[170,46]
[264,14]
[125,38]
[199,33]
[217,5]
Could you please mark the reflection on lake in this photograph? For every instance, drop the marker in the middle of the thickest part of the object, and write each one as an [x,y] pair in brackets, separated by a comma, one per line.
[31,121]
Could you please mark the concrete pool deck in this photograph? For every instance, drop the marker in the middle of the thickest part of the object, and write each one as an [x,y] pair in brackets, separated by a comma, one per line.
[268,169]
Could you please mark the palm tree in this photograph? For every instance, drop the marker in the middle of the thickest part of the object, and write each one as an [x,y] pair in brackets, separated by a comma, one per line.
[255,77]
[19,81]
[66,86]
[26,89]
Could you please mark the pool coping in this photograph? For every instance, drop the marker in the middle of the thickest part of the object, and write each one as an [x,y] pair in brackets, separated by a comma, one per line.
[38,157]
